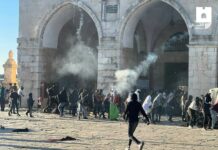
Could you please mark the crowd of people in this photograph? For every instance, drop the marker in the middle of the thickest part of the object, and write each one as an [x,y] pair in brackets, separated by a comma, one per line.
[12,95]
[200,111]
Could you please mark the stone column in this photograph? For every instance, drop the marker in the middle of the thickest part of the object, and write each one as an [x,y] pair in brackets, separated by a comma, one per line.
[108,54]
[29,67]
[202,68]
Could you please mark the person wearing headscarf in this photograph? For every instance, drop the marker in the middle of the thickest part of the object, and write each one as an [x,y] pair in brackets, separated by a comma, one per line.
[214,113]
[147,104]
[157,107]
[114,102]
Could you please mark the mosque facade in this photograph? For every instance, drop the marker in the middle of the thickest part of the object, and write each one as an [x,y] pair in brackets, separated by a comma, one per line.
[183,33]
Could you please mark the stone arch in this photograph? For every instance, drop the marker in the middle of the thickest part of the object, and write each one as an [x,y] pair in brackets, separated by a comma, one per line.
[57,8]
[126,41]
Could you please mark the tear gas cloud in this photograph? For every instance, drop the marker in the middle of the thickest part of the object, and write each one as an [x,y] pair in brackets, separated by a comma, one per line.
[126,79]
[80,59]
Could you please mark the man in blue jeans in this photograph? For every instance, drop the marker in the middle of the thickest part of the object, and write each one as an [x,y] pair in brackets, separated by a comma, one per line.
[131,113]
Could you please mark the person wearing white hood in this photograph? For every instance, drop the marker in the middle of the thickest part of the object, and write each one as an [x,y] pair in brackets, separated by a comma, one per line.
[147,104]
[137,92]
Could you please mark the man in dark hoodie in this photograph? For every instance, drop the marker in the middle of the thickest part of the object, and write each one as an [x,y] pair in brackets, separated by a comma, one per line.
[131,113]
[30,102]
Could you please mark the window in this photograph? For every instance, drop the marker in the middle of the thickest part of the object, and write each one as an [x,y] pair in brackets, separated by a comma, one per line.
[111,8]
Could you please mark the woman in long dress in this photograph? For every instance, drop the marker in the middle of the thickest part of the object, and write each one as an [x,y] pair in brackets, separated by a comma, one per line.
[114,111]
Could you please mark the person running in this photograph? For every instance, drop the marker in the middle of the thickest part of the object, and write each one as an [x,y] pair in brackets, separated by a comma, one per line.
[147,105]
[131,113]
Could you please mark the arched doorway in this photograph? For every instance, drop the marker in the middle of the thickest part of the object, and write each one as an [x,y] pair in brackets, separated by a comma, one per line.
[157,27]
[70,37]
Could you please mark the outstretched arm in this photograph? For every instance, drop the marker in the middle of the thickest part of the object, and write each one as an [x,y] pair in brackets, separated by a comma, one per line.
[144,114]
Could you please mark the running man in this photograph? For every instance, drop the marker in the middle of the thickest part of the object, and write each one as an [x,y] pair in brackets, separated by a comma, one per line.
[131,113]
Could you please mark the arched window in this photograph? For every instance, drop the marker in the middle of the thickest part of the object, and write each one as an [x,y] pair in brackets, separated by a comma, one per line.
[177,42]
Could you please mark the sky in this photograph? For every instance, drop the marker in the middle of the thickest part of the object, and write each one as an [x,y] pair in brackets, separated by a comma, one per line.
[9,20]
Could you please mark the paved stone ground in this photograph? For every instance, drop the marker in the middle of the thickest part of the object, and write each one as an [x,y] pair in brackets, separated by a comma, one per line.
[98,134]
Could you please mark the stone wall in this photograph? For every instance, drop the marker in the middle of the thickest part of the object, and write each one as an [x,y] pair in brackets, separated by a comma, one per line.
[202,68]
[30,68]
[108,60]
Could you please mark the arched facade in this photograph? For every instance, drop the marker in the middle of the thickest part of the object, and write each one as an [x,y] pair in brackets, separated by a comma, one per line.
[115,23]
[127,26]
[63,18]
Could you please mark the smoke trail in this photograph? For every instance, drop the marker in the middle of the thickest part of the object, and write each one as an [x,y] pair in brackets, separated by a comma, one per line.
[80,59]
[126,79]
[81,21]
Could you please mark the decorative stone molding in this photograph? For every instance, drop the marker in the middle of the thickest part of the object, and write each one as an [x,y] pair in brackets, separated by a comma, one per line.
[29,43]
[136,6]
[43,23]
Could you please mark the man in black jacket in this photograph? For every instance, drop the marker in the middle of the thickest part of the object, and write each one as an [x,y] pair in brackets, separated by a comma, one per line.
[132,113]
[63,99]
[207,115]
[30,102]
[14,97]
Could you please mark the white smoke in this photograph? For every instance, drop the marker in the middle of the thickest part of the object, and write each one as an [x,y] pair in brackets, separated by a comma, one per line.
[126,79]
[80,59]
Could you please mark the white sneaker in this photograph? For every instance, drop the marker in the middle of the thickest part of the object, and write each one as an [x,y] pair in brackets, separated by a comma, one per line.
[190,127]
[127,148]
[141,145]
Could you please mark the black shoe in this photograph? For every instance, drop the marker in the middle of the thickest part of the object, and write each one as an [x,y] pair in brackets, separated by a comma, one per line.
[18,114]
[31,116]
[26,114]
